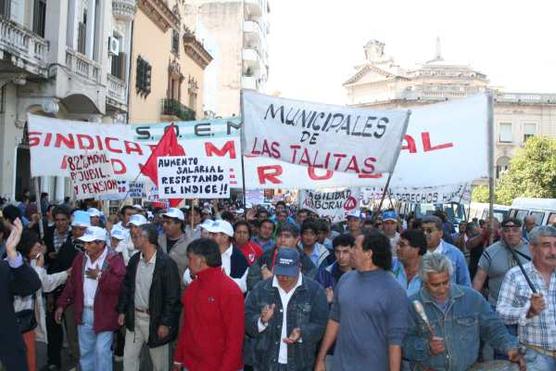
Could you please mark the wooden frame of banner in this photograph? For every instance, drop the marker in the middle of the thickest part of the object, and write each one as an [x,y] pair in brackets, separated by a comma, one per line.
[406,123]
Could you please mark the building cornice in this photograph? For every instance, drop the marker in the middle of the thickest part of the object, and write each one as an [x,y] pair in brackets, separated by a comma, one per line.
[159,13]
[369,67]
[195,49]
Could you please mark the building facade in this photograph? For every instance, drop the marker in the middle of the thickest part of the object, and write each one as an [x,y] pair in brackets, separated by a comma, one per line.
[167,65]
[67,59]
[380,83]
[239,30]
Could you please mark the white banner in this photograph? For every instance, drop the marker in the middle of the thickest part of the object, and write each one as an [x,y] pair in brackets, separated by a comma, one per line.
[445,143]
[127,189]
[334,205]
[261,172]
[129,145]
[192,177]
[438,194]
[254,196]
[337,138]
[91,175]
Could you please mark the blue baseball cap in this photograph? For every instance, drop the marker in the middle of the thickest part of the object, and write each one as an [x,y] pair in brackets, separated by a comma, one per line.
[81,219]
[287,262]
[389,215]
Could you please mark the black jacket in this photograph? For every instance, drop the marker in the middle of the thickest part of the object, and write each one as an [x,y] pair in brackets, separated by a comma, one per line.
[164,298]
[64,258]
[21,281]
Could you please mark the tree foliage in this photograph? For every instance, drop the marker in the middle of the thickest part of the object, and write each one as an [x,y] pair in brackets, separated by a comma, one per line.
[532,172]
[479,194]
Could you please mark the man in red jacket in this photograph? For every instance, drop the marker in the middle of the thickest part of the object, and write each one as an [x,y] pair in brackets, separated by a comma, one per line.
[93,288]
[211,336]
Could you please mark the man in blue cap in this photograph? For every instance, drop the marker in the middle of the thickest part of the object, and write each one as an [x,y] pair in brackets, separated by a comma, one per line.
[292,319]
[390,228]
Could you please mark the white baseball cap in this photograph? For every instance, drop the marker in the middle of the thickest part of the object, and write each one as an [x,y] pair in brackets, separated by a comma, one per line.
[207,224]
[138,207]
[355,213]
[81,218]
[137,220]
[93,234]
[174,213]
[221,226]
[93,212]
[117,233]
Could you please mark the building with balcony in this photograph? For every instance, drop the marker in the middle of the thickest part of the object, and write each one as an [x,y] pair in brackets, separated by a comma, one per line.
[167,80]
[239,29]
[380,83]
[67,59]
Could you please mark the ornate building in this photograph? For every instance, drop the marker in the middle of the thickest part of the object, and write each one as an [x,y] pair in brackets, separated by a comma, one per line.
[67,59]
[379,82]
[167,65]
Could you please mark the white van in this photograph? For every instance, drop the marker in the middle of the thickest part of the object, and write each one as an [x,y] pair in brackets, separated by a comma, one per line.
[543,209]
[479,210]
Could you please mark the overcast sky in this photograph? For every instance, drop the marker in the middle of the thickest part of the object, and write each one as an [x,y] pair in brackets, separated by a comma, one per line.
[314,44]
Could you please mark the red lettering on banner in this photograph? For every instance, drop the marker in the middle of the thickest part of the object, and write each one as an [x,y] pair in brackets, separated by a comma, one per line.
[68,142]
[133,147]
[118,166]
[313,174]
[80,141]
[410,144]
[109,146]
[270,173]
[427,147]
[48,138]
[228,148]
[368,167]
[34,138]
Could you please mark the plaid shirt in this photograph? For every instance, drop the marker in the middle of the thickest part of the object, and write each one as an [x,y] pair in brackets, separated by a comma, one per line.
[59,239]
[514,303]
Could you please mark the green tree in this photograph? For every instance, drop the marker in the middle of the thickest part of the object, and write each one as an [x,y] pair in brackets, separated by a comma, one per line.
[532,172]
[479,194]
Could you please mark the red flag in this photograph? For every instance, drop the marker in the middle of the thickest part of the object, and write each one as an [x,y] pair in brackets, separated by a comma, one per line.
[167,146]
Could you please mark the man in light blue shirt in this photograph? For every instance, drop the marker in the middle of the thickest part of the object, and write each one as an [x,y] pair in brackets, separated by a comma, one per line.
[432,226]
[411,246]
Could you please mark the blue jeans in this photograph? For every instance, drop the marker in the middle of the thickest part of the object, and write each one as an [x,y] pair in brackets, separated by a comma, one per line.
[539,362]
[95,349]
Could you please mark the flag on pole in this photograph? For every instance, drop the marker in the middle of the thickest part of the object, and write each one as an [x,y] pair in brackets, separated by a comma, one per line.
[167,146]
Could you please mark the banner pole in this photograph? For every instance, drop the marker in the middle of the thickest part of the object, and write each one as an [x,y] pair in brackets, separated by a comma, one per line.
[490,159]
[38,202]
[241,149]
[406,123]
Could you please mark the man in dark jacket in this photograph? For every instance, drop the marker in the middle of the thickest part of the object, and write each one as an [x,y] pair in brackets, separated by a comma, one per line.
[149,304]
[16,278]
[286,315]
[94,291]
[63,245]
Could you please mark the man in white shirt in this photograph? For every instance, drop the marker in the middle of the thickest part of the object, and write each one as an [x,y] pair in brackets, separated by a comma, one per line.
[94,289]
[292,319]
[234,263]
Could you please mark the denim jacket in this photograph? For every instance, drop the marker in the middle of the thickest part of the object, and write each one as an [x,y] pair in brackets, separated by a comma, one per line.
[468,319]
[307,309]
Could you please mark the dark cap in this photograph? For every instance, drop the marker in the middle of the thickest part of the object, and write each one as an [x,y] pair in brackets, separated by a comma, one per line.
[511,222]
[287,262]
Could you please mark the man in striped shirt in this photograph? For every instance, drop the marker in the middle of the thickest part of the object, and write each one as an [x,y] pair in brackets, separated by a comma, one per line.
[531,304]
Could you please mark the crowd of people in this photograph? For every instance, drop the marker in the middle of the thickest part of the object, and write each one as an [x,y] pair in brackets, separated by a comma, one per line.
[225,287]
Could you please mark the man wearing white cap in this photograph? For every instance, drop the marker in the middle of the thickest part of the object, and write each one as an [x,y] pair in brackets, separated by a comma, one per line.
[117,235]
[354,223]
[94,294]
[63,245]
[234,263]
[94,213]
[135,221]
[174,241]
